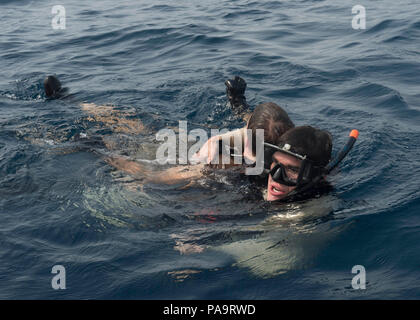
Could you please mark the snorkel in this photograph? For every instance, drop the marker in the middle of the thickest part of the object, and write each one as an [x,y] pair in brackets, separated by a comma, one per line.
[354,134]
[309,174]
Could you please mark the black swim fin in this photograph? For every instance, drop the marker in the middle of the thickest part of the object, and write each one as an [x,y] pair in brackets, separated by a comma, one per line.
[235,91]
[52,86]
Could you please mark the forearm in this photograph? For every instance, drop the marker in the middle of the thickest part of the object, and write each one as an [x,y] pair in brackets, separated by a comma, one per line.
[131,167]
[178,174]
[169,176]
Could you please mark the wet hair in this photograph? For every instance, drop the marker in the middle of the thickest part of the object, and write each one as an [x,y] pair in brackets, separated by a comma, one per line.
[273,119]
[316,144]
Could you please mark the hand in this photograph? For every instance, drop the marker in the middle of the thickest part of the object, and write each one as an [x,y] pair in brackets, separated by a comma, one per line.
[208,152]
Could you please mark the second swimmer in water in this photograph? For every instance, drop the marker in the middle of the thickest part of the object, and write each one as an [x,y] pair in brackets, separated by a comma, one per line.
[294,157]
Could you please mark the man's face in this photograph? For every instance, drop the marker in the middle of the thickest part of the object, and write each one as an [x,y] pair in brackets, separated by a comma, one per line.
[275,190]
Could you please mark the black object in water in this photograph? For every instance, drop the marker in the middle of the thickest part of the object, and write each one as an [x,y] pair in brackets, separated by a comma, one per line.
[52,86]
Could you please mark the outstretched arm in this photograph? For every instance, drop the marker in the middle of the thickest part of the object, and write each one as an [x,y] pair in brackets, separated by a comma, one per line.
[169,176]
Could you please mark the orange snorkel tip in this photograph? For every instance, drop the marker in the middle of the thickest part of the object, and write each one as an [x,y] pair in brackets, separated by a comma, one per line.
[354,133]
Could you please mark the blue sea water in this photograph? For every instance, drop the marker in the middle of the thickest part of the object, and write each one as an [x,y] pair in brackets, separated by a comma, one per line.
[63,205]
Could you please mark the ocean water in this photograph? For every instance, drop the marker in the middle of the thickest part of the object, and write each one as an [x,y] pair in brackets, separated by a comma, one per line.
[161,62]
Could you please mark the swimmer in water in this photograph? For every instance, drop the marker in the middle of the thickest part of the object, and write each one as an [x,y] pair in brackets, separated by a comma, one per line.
[296,159]
[298,162]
